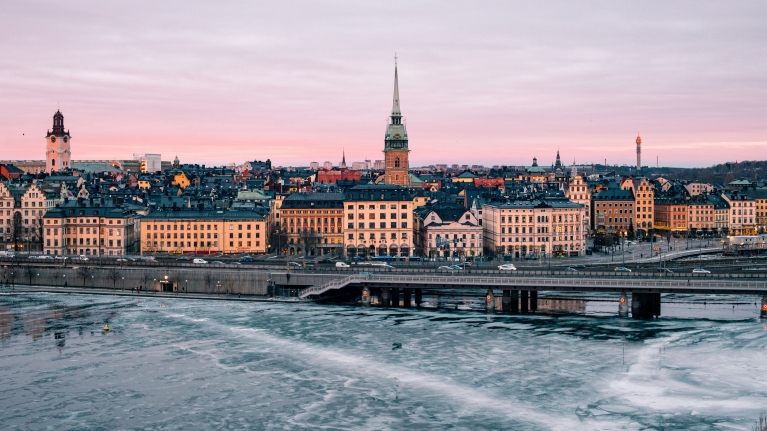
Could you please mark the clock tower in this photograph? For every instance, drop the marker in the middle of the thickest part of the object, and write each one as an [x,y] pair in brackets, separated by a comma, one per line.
[57,154]
[395,143]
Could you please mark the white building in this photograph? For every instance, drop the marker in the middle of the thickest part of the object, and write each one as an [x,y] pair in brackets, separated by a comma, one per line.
[149,162]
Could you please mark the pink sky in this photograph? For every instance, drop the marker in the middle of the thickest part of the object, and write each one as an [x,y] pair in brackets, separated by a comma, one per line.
[480,82]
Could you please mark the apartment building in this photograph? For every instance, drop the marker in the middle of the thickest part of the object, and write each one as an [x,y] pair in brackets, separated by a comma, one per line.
[203,232]
[578,191]
[644,201]
[91,228]
[613,211]
[447,230]
[742,213]
[379,220]
[537,227]
[313,223]
[671,215]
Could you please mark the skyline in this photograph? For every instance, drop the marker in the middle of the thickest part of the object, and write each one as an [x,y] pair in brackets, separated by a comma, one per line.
[296,83]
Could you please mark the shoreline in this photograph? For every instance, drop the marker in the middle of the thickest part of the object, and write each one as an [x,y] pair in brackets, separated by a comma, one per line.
[145,294]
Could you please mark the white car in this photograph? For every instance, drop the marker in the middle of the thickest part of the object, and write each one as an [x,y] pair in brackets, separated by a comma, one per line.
[507,267]
[381,265]
[700,271]
[342,265]
[198,260]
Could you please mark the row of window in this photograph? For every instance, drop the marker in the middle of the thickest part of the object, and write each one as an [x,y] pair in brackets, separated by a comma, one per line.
[542,238]
[380,207]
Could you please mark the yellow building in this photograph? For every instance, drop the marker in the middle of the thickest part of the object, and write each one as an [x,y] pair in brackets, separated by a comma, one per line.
[313,223]
[181,180]
[644,204]
[203,232]
[379,221]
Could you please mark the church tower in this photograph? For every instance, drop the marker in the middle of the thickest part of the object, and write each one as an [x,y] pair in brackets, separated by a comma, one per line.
[57,154]
[639,153]
[395,143]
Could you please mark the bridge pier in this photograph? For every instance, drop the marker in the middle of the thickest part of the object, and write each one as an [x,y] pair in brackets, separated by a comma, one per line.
[514,302]
[623,305]
[490,300]
[406,295]
[366,296]
[394,297]
[506,301]
[385,297]
[418,297]
[645,305]
[533,301]
[523,301]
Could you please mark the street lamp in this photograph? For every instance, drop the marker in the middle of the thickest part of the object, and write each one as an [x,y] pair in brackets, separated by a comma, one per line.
[186,284]
[123,283]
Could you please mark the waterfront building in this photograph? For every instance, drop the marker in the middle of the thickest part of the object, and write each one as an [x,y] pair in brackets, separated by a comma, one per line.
[57,154]
[203,232]
[313,223]
[644,201]
[534,228]
[742,219]
[578,191]
[378,220]
[396,150]
[93,227]
[447,230]
[701,216]
[721,213]
[671,215]
[613,211]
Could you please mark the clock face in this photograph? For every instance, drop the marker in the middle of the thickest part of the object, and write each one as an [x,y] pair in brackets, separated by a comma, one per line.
[66,139]
[53,139]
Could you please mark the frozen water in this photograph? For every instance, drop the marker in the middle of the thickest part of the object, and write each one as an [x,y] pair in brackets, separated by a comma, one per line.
[227,365]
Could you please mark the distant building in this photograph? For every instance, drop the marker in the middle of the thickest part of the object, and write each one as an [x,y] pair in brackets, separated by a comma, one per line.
[150,163]
[379,165]
[58,154]
[327,165]
[396,150]
[314,165]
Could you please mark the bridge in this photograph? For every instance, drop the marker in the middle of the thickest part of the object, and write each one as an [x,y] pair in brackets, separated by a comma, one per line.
[520,292]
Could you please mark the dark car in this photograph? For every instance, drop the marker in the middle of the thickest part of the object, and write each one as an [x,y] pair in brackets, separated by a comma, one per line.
[184,258]
[247,259]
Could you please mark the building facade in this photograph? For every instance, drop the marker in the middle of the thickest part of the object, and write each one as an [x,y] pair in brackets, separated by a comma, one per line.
[447,230]
[203,232]
[534,228]
[379,221]
[313,223]
[613,211]
[578,191]
[91,229]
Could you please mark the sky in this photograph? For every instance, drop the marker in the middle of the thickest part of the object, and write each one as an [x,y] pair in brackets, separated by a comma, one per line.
[481,82]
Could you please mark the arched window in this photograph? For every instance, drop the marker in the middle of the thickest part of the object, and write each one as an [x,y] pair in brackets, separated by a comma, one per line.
[396,162]
[53,162]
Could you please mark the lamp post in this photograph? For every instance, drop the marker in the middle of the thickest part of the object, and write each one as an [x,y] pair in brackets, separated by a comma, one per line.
[186,285]
[123,281]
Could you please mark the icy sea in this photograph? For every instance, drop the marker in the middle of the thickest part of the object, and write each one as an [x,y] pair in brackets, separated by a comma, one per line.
[207,365]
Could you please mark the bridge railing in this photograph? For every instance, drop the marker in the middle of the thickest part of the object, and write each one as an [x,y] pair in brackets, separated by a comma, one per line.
[540,283]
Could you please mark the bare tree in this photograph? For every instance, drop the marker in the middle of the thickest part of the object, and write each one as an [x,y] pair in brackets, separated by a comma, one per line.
[208,281]
[56,274]
[278,239]
[84,272]
[146,277]
[30,271]
[114,274]
[17,229]
[310,239]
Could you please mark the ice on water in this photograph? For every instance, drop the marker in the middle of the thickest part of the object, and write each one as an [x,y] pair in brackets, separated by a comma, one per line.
[217,364]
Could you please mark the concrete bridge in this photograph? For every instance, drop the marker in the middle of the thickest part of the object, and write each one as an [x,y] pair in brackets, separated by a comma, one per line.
[520,293]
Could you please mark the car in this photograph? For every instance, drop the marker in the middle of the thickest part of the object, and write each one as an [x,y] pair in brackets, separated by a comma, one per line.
[342,265]
[121,260]
[466,263]
[235,263]
[184,258]
[507,267]
[217,262]
[578,266]
[61,257]
[83,257]
[198,260]
[700,271]
[622,269]
[294,265]
[383,265]
[247,259]
[571,269]
[451,267]
[665,271]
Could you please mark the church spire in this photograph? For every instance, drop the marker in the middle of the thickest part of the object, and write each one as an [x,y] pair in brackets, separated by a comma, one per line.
[343,159]
[559,161]
[395,111]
